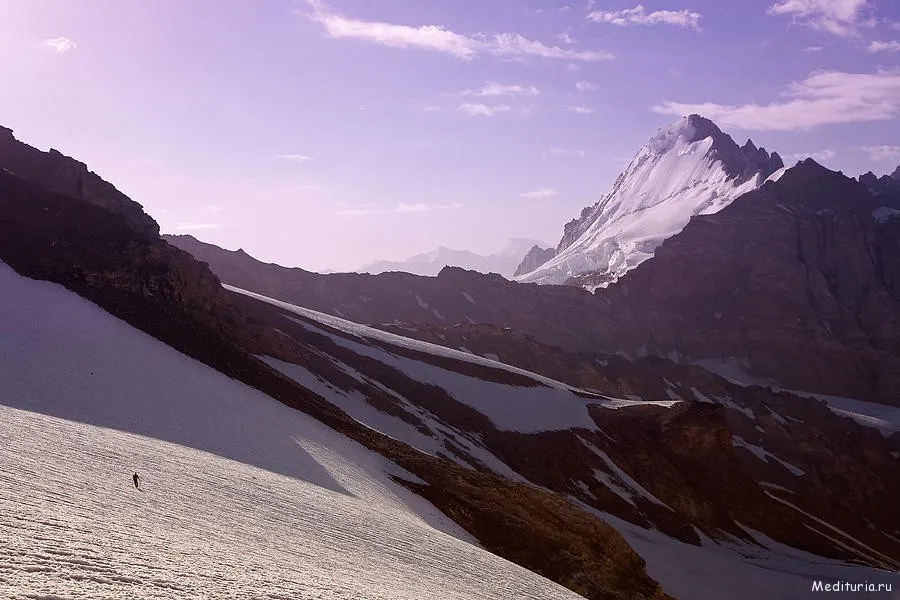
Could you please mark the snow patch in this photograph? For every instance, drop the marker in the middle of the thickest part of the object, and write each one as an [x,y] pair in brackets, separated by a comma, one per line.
[873,555]
[776,175]
[622,476]
[882,417]
[700,396]
[735,570]
[764,455]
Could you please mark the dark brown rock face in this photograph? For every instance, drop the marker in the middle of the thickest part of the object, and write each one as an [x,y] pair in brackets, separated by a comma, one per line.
[58,173]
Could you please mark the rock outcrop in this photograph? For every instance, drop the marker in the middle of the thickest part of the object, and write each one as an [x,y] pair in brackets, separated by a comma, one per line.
[534,259]
[58,173]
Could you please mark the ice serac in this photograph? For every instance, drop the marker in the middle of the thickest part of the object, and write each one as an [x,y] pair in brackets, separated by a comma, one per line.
[688,168]
[536,257]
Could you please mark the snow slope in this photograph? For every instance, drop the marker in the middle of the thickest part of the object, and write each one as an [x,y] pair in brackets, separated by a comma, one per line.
[242,497]
[549,405]
[740,571]
[672,178]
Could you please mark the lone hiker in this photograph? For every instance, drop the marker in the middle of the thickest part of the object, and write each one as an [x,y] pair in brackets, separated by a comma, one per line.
[135,477]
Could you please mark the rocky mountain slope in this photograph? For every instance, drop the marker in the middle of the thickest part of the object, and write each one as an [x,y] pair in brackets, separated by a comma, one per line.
[535,469]
[161,290]
[797,280]
[649,462]
[503,262]
[69,177]
[688,168]
[794,283]
[239,497]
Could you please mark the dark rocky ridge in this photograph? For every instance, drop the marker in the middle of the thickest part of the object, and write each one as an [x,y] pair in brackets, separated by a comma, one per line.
[886,188]
[58,173]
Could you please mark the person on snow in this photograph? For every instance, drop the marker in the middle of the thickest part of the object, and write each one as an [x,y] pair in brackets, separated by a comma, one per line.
[135,477]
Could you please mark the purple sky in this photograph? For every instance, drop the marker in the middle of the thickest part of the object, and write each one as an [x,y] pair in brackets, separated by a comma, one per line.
[328,135]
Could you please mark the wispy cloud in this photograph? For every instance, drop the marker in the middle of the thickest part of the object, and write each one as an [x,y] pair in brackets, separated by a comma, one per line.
[433,108]
[586,86]
[819,156]
[60,45]
[541,194]
[440,39]
[823,98]
[196,226]
[483,110]
[367,209]
[892,46]
[581,110]
[559,152]
[494,89]
[639,16]
[840,17]
[814,48]
[293,157]
[883,153]
[513,45]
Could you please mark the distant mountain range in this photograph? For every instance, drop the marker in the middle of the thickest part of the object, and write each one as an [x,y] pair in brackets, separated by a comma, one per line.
[503,262]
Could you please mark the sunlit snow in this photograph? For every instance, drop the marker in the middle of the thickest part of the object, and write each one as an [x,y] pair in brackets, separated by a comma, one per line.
[241,496]
[669,180]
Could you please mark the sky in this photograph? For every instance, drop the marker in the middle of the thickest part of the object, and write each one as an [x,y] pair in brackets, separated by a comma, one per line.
[329,134]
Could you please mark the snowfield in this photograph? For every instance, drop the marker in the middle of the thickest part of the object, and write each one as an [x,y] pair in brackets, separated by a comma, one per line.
[547,406]
[241,496]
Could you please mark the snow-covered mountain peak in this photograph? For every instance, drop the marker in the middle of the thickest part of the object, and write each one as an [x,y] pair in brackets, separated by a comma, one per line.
[687,168]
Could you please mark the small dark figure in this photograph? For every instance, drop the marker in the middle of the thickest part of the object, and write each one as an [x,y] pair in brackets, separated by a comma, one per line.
[136,481]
